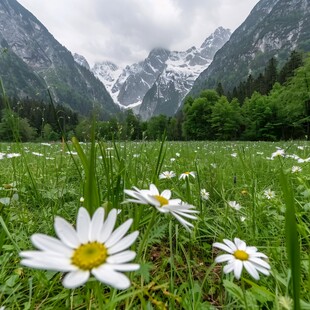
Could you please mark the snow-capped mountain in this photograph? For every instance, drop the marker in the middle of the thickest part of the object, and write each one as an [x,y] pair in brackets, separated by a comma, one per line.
[274,28]
[179,75]
[81,60]
[163,74]
[108,72]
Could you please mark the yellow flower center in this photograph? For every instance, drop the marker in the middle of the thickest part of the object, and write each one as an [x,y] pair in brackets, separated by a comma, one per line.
[242,255]
[187,172]
[89,255]
[162,200]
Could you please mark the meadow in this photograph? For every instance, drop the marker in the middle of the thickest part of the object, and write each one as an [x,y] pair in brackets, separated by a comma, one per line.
[257,192]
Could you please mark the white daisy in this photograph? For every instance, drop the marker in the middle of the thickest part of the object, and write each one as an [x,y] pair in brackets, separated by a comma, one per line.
[204,194]
[278,153]
[240,255]
[234,205]
[167,175]
[296,169]
[163,203]
[93,248]
[269,194]
[186,175]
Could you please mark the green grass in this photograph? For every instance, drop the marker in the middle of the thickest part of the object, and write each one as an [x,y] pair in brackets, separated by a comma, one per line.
[177,268]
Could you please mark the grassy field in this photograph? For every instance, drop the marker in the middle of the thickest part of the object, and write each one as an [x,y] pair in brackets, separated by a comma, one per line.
[255,191]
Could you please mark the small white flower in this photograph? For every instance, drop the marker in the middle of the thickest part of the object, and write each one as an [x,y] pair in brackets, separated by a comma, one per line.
[177,154]
[46,144]
[37,154]
[81,199]
[71,153]
[242,218]
[163,203]
[12,155]
[296,169]
[278,153]
[234,205]
[204,194]
[269,194]
[240,255]
[172,159]
[93,248]
[186,175]
[233,155]
[167,175]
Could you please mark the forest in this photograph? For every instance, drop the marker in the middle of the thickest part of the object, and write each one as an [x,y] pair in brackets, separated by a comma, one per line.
[275,105]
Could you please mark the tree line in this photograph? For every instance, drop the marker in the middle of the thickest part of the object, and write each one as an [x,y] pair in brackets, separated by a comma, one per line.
[274,105]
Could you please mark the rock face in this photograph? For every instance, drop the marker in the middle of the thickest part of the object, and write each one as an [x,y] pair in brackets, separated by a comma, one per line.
[159,83]
[39,55]
[274,28]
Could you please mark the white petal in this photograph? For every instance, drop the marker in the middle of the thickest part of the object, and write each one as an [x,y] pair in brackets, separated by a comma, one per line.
[259,262]
[185,223]
[229,267]
[223,258]
[185,215]
[50,244]
[262,270]
[251,270]
[124,243]
[118,233]
[47,263]
[96,224]
[66,233]
[122,257]
[108,276]
[124,267]
[240,244]
[166,194]
[83,225]
[238,268]
[75,278]
[223,247]
[231,245]
[153,190]
[108,226]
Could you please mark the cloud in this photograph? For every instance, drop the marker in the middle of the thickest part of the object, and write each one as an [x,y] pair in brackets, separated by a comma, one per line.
[124,31]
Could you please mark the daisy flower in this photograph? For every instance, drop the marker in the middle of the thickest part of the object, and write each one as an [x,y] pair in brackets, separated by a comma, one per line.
[187,174]
[269,194]
[93,248]
[234,205]
[240,255]
[163,203]
[204,194]
[278,153]
[296,169]
[167,175]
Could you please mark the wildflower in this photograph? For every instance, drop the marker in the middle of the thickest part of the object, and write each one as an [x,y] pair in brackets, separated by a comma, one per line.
[233,155]
[213,165]
[172,159]
[12,155]
[93,248]
[163,203]
[240,255]
[234,205]
[242,218]
[204,194]
[286,302]
[167,175]
[177,154]
[46,144]
[244,192]
[278,153]
[269,194]
[37,154]
[296,169]
[187,174]
[82,199]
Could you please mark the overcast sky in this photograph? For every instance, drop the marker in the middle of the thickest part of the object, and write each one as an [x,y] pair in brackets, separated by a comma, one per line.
[124,31]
